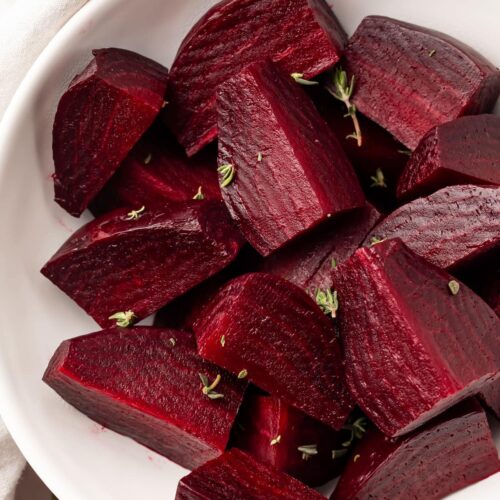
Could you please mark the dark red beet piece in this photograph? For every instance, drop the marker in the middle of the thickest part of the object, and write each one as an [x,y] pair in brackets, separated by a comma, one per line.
[104,112]
[302,36]
[145,383]
[115,264]
[413,344]
[309,261]
[157,173]
[449,453]
[263,420]
[275,332]
[290,171]
[410,79]
[237,476]
[463,151]
[450,228]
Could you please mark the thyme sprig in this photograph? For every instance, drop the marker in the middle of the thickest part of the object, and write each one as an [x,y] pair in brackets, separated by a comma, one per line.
[199,194]
[327,301]
[378,179]
[357,430]
[208,388]
[135,214]
[227,172]
[299,78]
[308,451]
[276,440]
[123,318]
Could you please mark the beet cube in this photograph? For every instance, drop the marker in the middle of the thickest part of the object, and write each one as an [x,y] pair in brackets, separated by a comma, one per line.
[290,172]
[134,263]
[464,151]
[449,453]
[269,330]
[302,36]
[104,112]
[145,383]
[410,79]
[236,475]
[450,228]
[415,340]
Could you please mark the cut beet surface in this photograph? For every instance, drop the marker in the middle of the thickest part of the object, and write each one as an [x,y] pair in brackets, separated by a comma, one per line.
[290,172]
[157,173]
[104,112]
[450,228]
[309,261]
[273,332]
[145,383]
[136,262]
[464,151]
[281,436]
[449,453]
[410,79]
[237,476]
[302,36]
[415,340]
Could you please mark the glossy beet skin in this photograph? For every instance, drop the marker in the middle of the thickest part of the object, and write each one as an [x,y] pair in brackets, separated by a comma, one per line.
[412,348]
[290,171]
[272,329]
[447,454]
[450,228]
[302,36]
[410,79]
[309,261]
[464,151]
[144,383]
[157,173]
[263,418]
[114,264]
[237,476]
[104,112]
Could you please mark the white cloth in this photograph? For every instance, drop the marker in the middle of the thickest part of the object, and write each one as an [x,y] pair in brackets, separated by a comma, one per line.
[26,26]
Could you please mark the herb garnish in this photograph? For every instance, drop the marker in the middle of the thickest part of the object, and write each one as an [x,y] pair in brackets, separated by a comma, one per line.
[227,172]
[259,157]
[432,53]
[135,214]
[406,152]
[378,179]
[327,301]
[164,103]
[199,194]
[123,318]
[356,458]
[172,341]
[208,388]
[223,341]
[243,374]
[308,450]
[148,159]
[339,453]
[375,240]
[357,428]
[333,263]
[275,440]
[299,78]
[454,287]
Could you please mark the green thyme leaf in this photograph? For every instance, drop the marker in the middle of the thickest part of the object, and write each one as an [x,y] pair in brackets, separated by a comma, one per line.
[333,263]
[338,453]
[135,214]
[148,159]
[123,318]
[223,341]
[406,152]
[208,388]
[308,450]
[356,458]
[227,173]
[275,440]
[243,374]
[454,287]
[432,53]
[299,78]
[378,179]
[327,301]
[375,240]
[259,157]
[199,194]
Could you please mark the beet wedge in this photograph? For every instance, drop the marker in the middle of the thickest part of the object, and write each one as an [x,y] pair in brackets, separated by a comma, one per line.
[269,330]
[236,475]
[145,383]
[104,112]
[309,261]
[415,340]
[410,79]
[451,228]
[463,151]
[278,435]
[157,173]
[449,453]
[129,264]
[283,182]
[302,36]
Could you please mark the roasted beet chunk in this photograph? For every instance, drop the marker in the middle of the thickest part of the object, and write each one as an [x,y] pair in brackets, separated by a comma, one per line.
[104,112]
[449,453]
[290,172]
[280,435]
[146,383]
[236,475]
[410,79]
[302,36]
[129,264]
[415,340]
[272,332]
[464,151]
[450,228]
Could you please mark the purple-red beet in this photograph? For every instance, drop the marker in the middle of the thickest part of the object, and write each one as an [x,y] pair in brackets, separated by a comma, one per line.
[281,436]
[415,340]
[104,112]
[290,172]
[410,79]
[145,383]
[302,36]
[449,453]
[272,331]
[463,151]
[450,228]
[237,476]
[137,263]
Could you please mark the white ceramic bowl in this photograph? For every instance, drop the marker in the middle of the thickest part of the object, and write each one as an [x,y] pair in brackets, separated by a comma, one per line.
[74,456]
